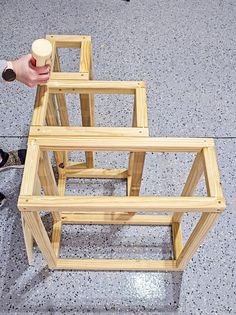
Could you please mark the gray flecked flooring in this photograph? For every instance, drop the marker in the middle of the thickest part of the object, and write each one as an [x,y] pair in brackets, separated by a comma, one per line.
[185,50]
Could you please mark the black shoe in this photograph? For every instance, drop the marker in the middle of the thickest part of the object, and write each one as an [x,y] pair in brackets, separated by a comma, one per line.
[2,199]
[13,159]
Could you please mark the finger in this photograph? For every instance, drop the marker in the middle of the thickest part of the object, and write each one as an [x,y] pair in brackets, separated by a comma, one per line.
[44,77]
[42,70]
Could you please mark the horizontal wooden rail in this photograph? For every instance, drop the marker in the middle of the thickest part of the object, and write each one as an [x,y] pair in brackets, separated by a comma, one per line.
[130,144]
[116,264]
[112,204]
[56,131]
[95,87]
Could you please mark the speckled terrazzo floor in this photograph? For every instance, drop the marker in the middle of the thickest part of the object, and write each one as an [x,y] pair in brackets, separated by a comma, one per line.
[185,50]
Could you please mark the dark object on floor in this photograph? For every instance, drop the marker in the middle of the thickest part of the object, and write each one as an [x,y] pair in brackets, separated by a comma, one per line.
[13,159]
[2,199]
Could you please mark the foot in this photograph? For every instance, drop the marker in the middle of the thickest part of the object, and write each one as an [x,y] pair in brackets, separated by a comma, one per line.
[2,199]
[12,159]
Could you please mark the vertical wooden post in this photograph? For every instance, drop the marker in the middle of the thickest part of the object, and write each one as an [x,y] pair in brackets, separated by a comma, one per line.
[47,180]
[30,186]
[192,181]
[87,113]
[52,120]
[35,224]
[136,159]
[87,100]
[61,103]
[197,236]
[50,188]
[134,179]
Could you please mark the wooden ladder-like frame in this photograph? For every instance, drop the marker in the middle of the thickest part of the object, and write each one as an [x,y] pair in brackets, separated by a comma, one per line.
[51,131]
[38,174]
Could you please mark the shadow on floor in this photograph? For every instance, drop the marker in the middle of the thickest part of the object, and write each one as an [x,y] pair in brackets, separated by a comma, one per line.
[38,290]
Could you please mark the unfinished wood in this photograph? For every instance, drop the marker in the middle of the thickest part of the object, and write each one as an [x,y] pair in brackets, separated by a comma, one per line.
[96,173]
[56,237]
[61,100]
[68,41]
[57,76]
[141,108]
[87,113]
[113,204]
[130,144]
[136,173]
[61,184]
[29,181]
[53,131]
[47,180]
[192,181]
[54,49]
[75,166]
[52,120]
[115,218]
[40,107]
[116,264]
[28,238]
[197,236]
[85,56]
[209,173]
[214,164]
[177,239]
[37,228]
[94,87]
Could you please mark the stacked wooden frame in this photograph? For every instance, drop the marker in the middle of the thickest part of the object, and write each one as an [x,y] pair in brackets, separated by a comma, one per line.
[57,136]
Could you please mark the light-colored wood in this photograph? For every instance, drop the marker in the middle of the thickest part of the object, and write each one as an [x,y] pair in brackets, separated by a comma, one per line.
[53,120]
[47,180]
[61,105]
[57,76]
[130,144]
[94,87]
[56,237]
[40,107]
[37,228]
[213,157]
[209,173]
[28,238]
[87,113]
[34,188]
[141,108]
[117,264]
[59,137]
[61,184]
[136,177]
[192,181]
[177,239]
[115,218]
[61,100]
[29,181]
[96,173]
[75,166]
[85,56]
[68,41]
[53,131]
[197,236]
[113,204]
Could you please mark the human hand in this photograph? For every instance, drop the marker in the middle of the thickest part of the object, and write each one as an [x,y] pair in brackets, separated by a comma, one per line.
[28,74]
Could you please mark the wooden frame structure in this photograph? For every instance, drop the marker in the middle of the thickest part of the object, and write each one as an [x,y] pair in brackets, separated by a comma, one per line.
[38,175]
[51,131]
